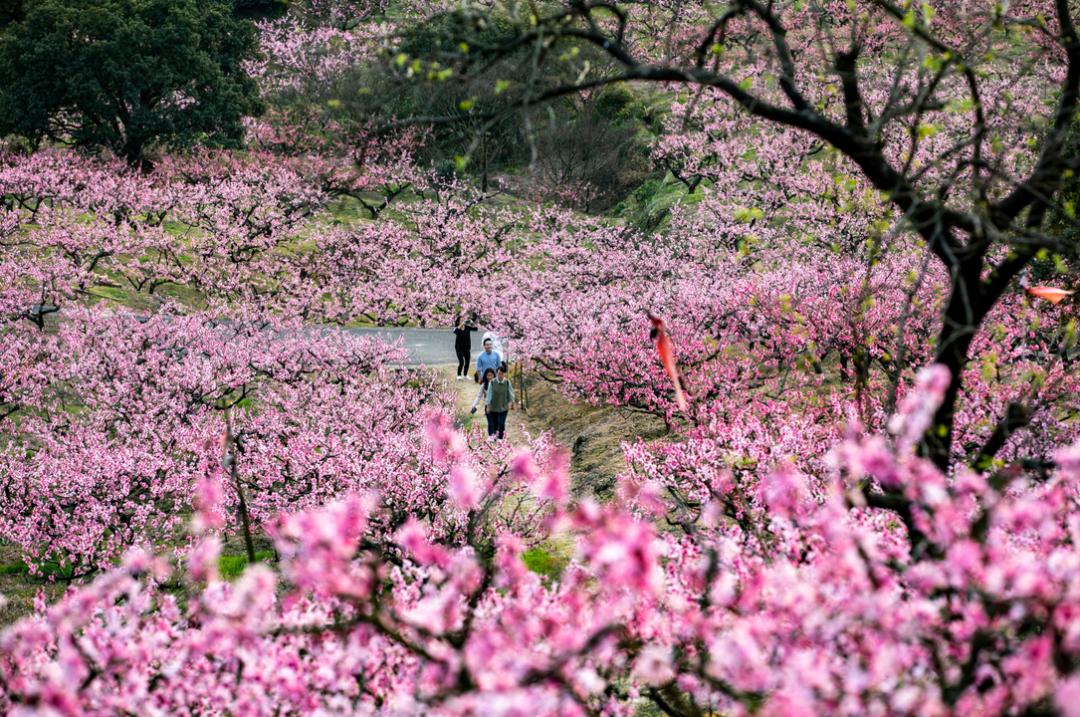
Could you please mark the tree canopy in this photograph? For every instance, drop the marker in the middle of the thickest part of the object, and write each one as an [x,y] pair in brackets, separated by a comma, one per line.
[124,74]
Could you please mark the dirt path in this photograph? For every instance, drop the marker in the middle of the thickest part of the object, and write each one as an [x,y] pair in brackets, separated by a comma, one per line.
[592,434]
[516,422]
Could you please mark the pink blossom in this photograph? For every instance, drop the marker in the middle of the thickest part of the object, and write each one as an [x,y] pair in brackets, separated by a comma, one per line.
[464,487]
[654,666]
[1067,697]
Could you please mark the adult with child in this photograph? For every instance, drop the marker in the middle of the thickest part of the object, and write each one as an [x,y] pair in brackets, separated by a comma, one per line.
[488,358]
[500,401]
[463,345]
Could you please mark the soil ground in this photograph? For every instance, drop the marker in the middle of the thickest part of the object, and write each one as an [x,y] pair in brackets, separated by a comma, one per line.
[518,423]
[592,434]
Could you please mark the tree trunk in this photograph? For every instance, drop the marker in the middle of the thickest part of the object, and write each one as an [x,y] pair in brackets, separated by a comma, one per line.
[969,302]
[133,154]
[245,520]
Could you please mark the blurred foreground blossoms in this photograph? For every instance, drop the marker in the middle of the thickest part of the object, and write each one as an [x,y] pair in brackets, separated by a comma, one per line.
[875,586]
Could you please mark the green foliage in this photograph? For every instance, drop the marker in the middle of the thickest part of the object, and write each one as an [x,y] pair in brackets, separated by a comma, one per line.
[1063,224]
[447,33]
[11,11]
[649,205]
[261,9]
[543,563]
[616,103]
[628,106]
[48,570]
[124,74]
[19,568]
[231,566]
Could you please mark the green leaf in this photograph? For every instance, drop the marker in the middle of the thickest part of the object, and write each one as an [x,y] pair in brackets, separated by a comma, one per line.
[1070,333]
[98,61]
[747,214]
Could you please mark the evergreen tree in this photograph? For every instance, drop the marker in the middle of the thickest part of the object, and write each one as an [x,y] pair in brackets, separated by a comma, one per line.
[124,74]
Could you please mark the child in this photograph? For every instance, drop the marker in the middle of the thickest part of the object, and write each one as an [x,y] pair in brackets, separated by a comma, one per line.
[481,395]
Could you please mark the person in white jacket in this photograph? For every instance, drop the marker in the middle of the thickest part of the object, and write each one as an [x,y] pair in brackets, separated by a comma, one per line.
[481,395]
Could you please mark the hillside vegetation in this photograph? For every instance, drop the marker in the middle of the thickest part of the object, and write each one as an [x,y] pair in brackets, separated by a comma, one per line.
[789,288]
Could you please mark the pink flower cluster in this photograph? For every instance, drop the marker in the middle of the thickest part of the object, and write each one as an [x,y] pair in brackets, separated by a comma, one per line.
[929,595]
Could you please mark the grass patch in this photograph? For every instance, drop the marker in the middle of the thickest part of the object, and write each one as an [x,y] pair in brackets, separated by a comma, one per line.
[231,566]
[544,563]
[47,570]
[650,204]
[593,434]
[467,420]
[20,589]
[14,569]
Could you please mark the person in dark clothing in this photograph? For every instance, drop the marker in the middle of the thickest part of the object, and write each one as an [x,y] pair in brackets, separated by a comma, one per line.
[500,400]
[463,346]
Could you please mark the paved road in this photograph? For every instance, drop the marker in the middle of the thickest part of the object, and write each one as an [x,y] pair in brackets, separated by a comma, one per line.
[425,346]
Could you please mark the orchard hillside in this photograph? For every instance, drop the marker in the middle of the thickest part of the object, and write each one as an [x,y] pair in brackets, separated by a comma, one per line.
[791,282]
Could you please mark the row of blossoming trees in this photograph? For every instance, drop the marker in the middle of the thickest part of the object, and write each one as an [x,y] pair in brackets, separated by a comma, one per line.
[870,502]
[113,410]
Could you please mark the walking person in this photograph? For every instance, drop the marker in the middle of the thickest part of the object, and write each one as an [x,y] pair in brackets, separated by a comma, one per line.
[463,346]
[488,358]
[496,344]
[481,394]
[500,401]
